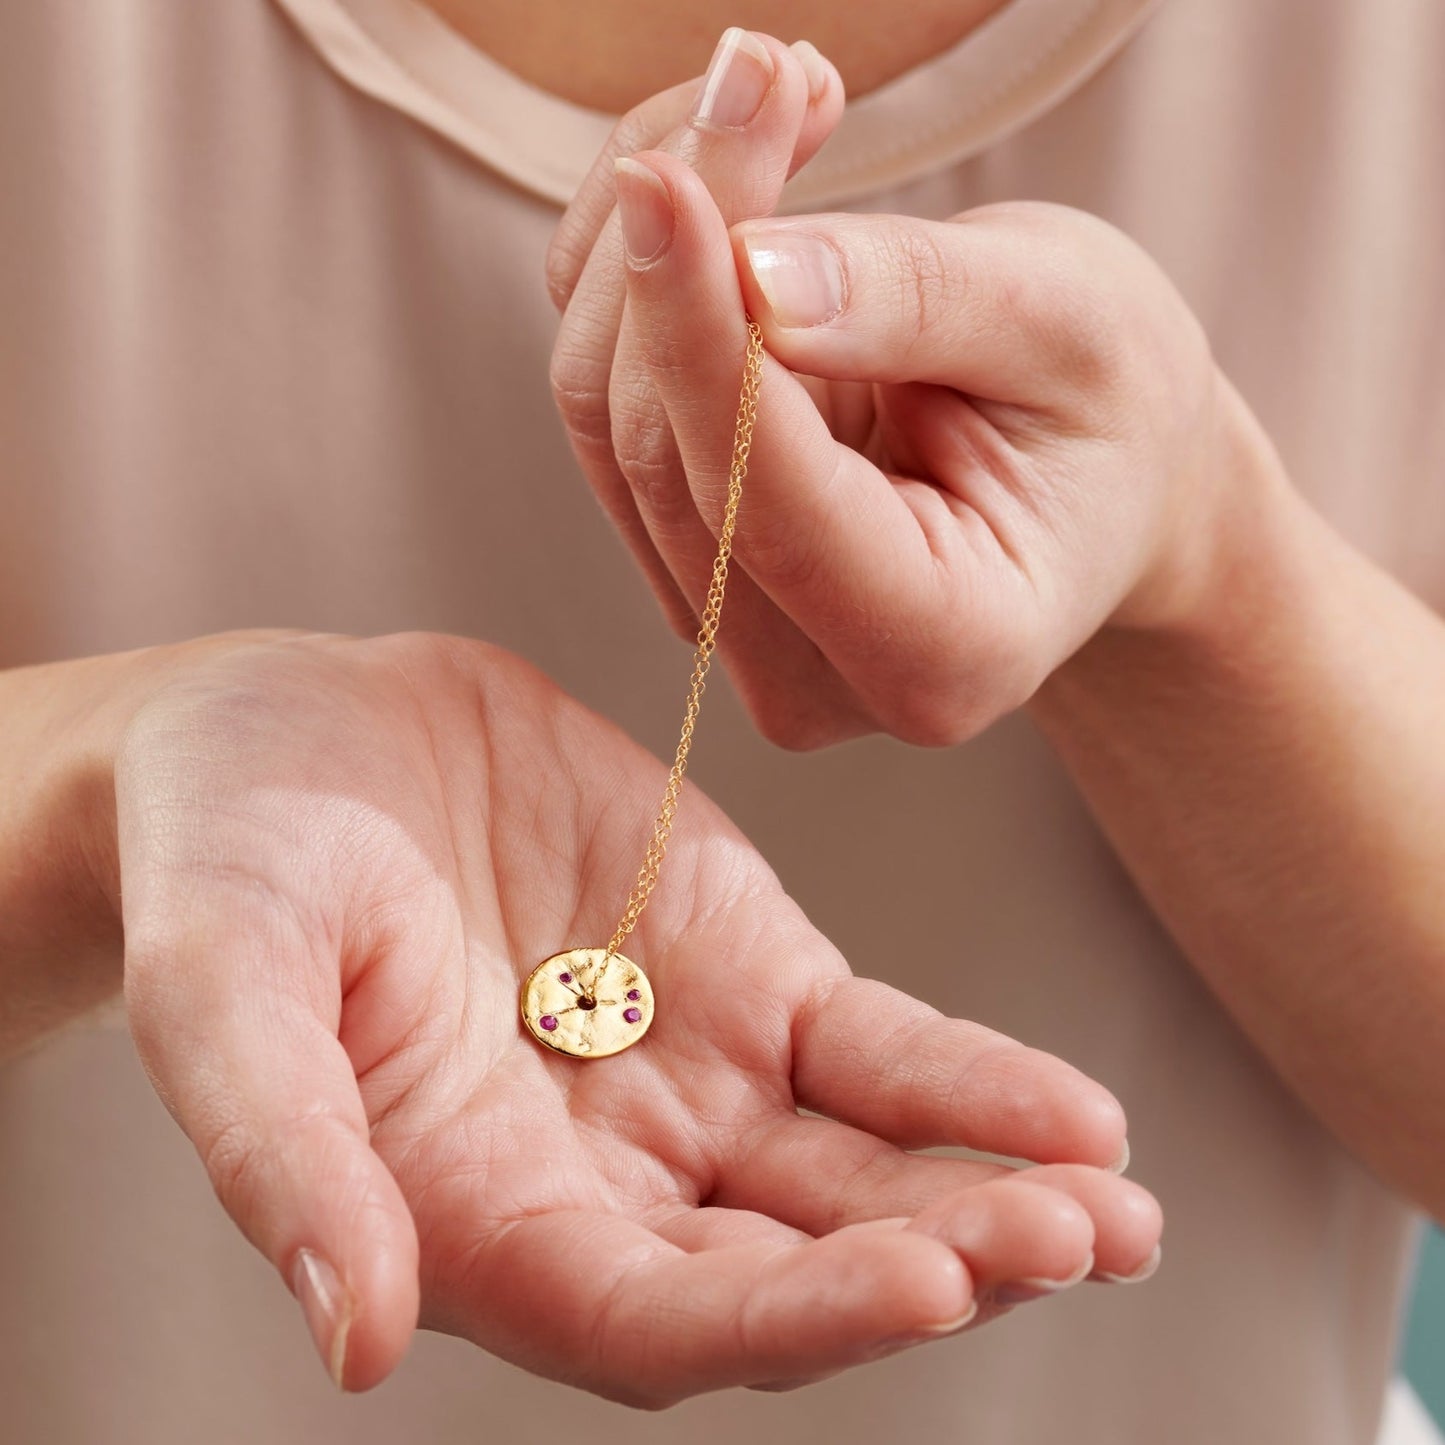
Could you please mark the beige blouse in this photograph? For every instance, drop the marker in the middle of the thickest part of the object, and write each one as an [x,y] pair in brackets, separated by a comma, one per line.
[275,352]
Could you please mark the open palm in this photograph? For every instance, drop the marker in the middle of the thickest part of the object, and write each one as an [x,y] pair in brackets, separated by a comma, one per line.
[339,860]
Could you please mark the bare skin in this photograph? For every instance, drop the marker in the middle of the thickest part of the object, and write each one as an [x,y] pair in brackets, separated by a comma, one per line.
[330,863]
[1001,469]
[322,866]
[613,54]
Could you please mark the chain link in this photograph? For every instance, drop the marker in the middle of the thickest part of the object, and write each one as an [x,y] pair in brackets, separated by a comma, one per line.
[706,639]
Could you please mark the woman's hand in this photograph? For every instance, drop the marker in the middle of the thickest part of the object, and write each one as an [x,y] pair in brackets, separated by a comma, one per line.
[779,103]
[338,860]
[979,441]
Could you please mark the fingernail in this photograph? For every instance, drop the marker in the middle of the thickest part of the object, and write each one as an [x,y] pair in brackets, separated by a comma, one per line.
[951,1326]
[811,60]
[1021,1291]
[1122,1162]
[932,1332]
[738,76]
[1146,1269]
[644,205]
[798,274]
[328,1310]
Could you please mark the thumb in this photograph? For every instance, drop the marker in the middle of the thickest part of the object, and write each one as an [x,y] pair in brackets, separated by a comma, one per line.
[234,1016]
[1001,303]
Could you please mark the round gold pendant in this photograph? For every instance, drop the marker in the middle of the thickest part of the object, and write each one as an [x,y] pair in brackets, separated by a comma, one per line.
[587,1005]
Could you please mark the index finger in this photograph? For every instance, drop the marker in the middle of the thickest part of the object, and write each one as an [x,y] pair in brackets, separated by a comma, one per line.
[661,123]
[823,532]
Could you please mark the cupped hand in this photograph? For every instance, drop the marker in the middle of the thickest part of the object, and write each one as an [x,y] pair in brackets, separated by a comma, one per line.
[338,861]
[979,441]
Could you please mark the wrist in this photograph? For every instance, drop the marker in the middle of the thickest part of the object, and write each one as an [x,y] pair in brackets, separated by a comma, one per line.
[1225,593]
[60,728]
[1231,526]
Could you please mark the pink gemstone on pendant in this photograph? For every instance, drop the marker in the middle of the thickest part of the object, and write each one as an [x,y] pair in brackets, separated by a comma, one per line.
[564,978]
[548,1022]
[632,993]
[632,1015]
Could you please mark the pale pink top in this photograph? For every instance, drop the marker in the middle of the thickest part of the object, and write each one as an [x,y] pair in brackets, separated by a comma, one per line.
[275,352]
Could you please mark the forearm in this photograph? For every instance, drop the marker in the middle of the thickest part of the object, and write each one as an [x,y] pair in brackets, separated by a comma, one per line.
[1273,775]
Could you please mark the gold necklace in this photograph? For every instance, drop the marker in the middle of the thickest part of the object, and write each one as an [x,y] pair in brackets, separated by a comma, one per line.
[592,1002]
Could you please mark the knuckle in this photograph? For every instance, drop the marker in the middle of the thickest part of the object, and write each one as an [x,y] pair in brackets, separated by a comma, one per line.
[645,124]
[1076,332]
[235,1158]
[564,261]
[622,1337]
[926,278]
[147,1002]
[774,548]
[242,1156]
[781,726]
[580,394]
[940,701]
[646,454]
[1058,293]
[788,720]
[1079,317]
[561,272]
[924,721]
[929,709]
[993,1077]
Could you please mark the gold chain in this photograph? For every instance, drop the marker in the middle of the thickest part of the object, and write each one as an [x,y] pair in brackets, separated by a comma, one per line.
[706,639]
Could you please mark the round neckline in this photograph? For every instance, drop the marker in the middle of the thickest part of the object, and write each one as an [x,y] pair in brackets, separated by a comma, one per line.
[1016,65]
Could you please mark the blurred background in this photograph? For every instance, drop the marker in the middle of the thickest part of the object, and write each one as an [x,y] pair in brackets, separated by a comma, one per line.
[1425,1339]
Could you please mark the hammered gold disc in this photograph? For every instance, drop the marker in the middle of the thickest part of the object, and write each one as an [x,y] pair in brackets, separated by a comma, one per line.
[587,1005]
